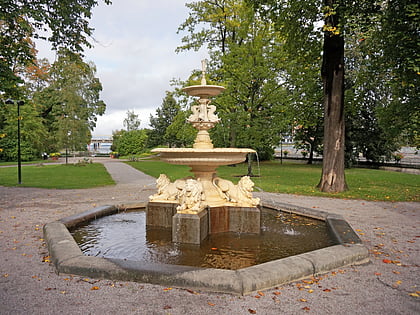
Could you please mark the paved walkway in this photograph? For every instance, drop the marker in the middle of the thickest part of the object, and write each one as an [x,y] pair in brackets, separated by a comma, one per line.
[389,284]
[124,174]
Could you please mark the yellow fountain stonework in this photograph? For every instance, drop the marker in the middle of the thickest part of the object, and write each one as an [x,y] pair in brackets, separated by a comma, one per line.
[205,191]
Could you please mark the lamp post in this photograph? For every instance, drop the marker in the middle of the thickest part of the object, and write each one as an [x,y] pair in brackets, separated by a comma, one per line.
[19,103]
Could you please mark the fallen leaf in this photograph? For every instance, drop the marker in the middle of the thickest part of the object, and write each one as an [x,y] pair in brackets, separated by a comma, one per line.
[252,311]
[167,307]
[378,274]
[214,248]
[192,292]
[211,304]
[306,308]
[261,293]
[276,293]
[326,290]
[94,288]
[414,294]
[396,272]
[5,275]
[257,296]
[386,261]
[167,289]
[303,300]
[310,291]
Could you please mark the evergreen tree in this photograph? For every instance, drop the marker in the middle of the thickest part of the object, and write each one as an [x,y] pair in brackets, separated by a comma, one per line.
[165,116]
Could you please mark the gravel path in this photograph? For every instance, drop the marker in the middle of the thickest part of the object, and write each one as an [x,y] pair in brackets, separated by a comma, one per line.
[389,284]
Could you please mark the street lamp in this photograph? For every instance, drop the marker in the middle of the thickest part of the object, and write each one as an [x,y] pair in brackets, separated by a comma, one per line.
[19,103]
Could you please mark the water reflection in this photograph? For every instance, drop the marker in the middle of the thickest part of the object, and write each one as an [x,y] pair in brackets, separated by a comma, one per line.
[125,236]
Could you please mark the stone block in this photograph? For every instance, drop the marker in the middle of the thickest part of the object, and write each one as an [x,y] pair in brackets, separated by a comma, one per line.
[218,219]
[244,219]
[190,228]
[159,214]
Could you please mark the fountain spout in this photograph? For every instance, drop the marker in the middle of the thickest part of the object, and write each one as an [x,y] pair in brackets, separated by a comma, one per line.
[203,71]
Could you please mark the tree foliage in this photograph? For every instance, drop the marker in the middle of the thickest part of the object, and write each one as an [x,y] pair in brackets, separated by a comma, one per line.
[381,61]
[181,133]
[61,101]
[64,23]
[71,102]
[129,142]
[245,57]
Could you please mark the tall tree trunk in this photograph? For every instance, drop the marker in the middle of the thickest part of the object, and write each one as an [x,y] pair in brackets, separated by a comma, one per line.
[333,178]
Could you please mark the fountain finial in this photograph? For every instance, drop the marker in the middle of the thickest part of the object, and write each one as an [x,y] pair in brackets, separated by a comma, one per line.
[203,71]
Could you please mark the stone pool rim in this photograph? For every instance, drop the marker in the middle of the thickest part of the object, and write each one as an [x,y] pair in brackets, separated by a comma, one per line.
[68,258]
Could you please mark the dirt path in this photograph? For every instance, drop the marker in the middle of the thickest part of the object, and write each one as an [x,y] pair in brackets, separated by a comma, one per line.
[29,284]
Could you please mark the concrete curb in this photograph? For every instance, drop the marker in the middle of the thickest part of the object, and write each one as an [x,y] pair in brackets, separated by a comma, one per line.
[68,258]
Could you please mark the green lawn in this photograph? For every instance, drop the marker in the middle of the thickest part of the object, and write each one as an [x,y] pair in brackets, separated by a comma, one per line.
[58,176]
[301,179]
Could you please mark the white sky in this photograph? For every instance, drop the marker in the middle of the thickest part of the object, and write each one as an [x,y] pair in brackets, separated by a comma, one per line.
[135,57]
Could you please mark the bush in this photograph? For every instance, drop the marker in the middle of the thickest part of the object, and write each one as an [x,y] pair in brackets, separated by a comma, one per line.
[130,142]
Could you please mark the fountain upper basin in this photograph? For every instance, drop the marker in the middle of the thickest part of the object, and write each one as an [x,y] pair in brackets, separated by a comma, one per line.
[203,90]
[198,156]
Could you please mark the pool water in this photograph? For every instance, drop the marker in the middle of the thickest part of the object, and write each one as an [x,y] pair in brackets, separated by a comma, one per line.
[125,236]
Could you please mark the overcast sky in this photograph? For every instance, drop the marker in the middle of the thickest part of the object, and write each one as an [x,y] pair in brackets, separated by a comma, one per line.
[135,57]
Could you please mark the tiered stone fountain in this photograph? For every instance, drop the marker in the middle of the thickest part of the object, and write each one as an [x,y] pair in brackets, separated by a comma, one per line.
[205,204]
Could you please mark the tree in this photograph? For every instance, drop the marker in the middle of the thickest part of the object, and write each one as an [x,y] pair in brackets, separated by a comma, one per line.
[165,115]
[66,20]
[244,57]
[31,129]
[182,134]
[332,72]
[71,102]
[388,35]
[132,122]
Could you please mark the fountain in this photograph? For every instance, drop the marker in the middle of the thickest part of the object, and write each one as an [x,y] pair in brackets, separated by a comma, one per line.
[206,204]
[201,207]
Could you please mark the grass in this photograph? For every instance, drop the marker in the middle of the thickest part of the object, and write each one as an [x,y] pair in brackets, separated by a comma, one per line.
[58,176]
[366,184]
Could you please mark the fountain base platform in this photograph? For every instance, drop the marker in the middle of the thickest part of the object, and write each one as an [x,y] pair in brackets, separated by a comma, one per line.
[193,228]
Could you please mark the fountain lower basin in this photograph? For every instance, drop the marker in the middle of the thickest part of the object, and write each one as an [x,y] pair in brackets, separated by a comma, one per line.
[69,259]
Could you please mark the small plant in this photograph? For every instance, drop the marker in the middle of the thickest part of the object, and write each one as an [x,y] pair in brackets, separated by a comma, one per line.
[397,156]
[55,155]
[285,152]
[114,155]
[304,153]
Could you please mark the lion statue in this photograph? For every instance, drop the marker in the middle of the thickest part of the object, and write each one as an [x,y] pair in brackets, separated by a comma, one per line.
[240,193]
[167,190]
[191,197]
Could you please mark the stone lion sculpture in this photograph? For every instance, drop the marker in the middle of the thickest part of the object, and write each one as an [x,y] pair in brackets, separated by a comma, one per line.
[191,197]
[167,190]
[240,193]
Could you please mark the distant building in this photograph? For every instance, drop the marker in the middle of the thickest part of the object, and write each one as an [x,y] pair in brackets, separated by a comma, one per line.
[100,145]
